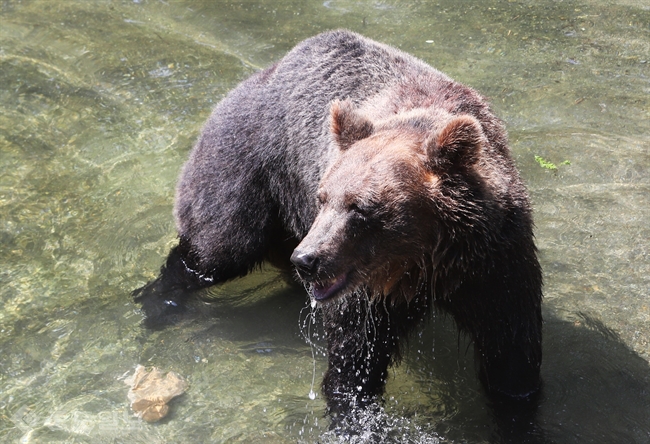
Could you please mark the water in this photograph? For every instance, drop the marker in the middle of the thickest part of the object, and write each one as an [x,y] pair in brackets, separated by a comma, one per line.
[100,104]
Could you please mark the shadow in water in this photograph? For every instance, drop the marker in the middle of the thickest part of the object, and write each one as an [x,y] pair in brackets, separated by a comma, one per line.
[595,388]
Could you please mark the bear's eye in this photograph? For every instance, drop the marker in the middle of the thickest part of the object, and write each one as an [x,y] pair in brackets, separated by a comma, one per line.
[358,210]
[321,198]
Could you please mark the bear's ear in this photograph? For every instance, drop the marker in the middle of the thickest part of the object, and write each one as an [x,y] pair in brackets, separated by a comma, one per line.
[347,125]
[458,144]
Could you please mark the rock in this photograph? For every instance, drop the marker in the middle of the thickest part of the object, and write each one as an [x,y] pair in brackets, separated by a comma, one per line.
[151,391]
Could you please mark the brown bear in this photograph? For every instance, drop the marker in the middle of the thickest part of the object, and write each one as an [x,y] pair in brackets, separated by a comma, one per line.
[391,189]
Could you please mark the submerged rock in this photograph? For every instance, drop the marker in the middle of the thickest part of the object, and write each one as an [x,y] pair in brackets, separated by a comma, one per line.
[151,391]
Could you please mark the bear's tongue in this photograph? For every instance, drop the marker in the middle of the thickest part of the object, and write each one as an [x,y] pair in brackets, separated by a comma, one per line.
[324,290]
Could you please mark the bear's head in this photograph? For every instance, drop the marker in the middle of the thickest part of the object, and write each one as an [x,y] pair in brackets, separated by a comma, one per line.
[397,190]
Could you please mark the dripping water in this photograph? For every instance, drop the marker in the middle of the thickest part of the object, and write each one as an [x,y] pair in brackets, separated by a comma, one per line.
[310,336]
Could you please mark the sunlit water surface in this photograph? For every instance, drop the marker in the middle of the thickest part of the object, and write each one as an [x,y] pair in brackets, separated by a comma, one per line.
[100,102]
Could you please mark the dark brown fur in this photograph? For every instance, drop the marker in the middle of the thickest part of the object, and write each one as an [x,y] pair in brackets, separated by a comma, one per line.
[397,186]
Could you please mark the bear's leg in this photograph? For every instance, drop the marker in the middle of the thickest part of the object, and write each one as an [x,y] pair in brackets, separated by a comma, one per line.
[164,298]
[507,336]
[230,240]
[363,339]
[509,355]
[502,315]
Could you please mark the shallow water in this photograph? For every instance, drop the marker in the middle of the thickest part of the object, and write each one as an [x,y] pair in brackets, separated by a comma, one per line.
[100,103]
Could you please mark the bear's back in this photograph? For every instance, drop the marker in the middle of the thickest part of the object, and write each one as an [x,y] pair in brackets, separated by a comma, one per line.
[273,130]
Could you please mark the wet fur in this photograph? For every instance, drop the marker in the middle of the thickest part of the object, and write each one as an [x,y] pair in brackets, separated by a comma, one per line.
[250,192]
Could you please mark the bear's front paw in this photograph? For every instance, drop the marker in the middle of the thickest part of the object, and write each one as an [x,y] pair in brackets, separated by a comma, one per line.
[161,306]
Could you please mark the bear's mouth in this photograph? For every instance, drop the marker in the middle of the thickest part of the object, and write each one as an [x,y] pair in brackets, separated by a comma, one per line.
[326,289]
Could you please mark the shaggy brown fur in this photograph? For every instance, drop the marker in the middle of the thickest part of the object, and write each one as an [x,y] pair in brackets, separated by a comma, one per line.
[397,187]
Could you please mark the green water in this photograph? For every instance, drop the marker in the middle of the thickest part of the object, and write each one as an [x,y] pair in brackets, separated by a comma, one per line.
[100,102]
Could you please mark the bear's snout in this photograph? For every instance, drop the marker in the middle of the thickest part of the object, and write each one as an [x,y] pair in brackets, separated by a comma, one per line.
[308,267]
[306,263]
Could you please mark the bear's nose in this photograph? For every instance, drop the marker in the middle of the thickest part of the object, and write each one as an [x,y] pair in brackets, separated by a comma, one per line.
[305,262]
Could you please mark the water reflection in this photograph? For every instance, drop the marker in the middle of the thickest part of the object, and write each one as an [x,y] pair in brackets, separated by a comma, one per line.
[100,103]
